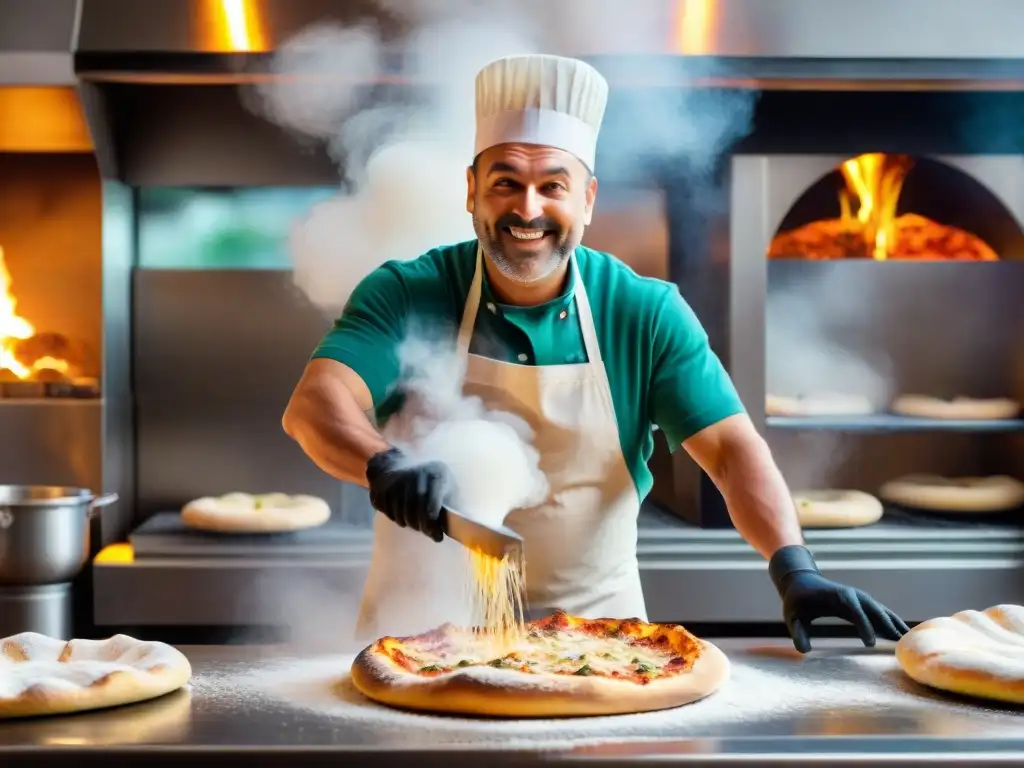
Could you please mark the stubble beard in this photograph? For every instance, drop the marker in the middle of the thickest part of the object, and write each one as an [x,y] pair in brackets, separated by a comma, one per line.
[529,270]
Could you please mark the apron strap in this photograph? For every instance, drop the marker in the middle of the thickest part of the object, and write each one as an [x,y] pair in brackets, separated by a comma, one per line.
[469,312]
[587,327]
[472,306]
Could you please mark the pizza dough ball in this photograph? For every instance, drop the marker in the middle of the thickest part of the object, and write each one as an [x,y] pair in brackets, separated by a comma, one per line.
[41,675]
[836,509]
[959,408]
[974,653]
[955,494]
[259,513]
[818,405]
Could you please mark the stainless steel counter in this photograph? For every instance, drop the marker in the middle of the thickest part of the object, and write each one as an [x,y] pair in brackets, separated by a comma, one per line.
[270,706]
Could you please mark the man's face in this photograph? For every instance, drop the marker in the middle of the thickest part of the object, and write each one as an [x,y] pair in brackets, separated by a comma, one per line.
[530,205]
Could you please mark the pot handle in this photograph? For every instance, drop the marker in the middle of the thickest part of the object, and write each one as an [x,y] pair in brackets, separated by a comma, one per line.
[101,501]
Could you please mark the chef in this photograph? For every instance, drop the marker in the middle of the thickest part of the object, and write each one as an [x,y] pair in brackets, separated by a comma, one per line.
[587,352]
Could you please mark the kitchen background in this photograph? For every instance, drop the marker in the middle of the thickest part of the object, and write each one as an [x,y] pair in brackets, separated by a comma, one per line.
[149,253]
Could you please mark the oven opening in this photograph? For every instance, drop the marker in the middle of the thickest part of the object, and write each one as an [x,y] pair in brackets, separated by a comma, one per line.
[894,207]
[50,278]
[884,378]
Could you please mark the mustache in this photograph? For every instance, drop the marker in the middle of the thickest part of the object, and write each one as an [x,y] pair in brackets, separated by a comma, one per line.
[541,222]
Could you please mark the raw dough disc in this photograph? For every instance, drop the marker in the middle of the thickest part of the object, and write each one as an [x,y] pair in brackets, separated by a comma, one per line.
[957,494]
[959,408]
[260,513]
[41,675]
[836,509]
[818,405]
[976,653]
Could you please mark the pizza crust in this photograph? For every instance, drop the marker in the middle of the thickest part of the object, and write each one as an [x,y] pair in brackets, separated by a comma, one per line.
[41,675]
[975,653]
[959,408]
[255,513]
[997,493]
[485,691]
[818,405]
[836,509]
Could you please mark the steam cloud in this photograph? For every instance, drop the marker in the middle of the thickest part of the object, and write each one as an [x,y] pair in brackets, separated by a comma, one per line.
[490,453]
[403,162]
[804,358]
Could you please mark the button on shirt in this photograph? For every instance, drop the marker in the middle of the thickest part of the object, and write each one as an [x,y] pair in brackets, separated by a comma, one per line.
[661,369]
[546,334]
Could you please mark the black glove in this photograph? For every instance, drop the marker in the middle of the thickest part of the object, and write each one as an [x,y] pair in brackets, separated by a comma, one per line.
[410,495]
[807,595]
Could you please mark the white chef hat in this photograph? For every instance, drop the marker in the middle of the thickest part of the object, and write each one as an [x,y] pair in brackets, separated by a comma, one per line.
[540,99]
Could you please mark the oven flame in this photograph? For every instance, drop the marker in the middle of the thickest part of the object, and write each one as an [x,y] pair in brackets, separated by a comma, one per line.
[15,329]
[875,180]
[12,327]
[868,227]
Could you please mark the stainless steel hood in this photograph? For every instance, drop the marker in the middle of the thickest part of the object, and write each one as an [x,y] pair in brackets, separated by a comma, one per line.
[35,42]
[39,107]
[161,78]
[200,41]
[749,40]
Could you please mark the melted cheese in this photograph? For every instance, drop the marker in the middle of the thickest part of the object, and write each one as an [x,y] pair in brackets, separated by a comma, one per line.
[565,652]
[500,638]
[498,598]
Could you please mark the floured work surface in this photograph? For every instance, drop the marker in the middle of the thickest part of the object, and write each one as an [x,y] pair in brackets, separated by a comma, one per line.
[772,692]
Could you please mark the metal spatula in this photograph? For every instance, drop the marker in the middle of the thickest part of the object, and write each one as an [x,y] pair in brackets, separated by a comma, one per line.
[497,542]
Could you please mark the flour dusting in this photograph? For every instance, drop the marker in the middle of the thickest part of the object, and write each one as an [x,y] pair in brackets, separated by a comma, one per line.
[856,689]
[31,660]
[989,642]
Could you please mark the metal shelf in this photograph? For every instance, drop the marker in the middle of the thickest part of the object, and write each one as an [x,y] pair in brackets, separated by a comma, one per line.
[884,422]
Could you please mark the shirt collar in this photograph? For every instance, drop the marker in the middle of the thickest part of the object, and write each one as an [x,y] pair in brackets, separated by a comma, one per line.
[561,302]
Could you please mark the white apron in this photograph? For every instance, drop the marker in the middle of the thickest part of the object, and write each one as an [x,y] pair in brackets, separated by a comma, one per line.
[579,545]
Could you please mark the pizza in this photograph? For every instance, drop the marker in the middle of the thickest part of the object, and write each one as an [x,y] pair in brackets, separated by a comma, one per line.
[836,508]
[996,493]
[972,653]
[559,666]
[818,405]
[958,408]
[255,513]
[41,675]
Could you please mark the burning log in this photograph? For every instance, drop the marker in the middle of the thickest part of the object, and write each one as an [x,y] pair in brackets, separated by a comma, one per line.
[873,230]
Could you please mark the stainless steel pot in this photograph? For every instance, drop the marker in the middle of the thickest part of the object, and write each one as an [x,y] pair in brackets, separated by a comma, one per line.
[44,532]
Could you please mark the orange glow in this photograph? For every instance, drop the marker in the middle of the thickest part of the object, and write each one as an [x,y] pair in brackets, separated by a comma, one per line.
[42,119]
[696,26]
[14,328]
[236,26]
[115,554]
[868,226]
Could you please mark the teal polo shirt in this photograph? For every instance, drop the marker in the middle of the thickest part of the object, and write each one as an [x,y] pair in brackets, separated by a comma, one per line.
[660,366]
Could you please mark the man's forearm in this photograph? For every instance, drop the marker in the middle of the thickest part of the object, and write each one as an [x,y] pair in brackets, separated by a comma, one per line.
[340,440]
[759,502]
